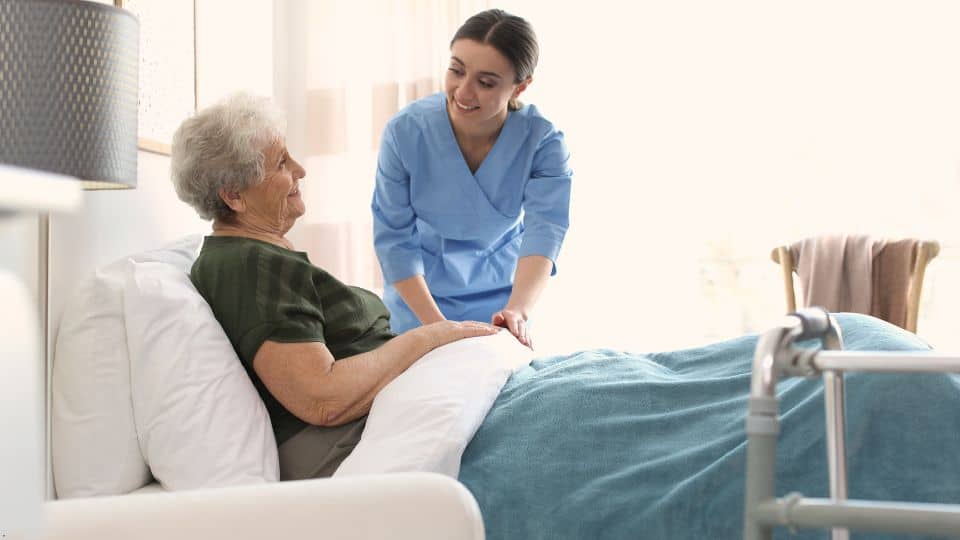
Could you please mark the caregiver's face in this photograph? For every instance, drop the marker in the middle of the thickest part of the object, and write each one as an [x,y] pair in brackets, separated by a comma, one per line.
[479,82]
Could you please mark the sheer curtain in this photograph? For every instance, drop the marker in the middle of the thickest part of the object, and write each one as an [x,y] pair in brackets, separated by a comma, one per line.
[343,69]
[702,134]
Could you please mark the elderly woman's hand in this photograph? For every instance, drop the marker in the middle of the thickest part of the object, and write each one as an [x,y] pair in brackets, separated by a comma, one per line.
[516,323]
[443,332]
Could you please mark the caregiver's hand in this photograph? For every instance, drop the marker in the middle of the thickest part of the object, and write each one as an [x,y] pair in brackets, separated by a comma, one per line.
[516,323]
[443,332]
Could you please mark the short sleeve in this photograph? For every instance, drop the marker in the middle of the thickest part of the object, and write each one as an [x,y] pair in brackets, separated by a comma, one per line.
[288,307]
[395,235]
[546,198]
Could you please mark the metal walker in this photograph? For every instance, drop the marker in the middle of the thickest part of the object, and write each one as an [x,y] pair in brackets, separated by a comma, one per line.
[777,356]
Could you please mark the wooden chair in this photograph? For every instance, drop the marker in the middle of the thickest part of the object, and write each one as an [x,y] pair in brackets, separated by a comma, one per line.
[925,251]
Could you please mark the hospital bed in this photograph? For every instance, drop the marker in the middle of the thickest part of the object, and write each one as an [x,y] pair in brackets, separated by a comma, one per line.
[778,356]
[605,444]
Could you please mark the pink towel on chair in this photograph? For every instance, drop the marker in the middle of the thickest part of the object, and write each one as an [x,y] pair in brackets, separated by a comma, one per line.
[835,271]
[857,273]
[892,270]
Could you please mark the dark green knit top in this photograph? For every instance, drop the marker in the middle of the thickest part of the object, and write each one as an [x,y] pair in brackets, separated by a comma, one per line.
[259,291]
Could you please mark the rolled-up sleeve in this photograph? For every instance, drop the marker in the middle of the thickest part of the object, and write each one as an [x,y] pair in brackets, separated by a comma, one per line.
[395,236]
[546,199]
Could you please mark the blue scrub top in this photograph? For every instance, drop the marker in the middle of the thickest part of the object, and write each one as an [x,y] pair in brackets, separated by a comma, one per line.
[465,231]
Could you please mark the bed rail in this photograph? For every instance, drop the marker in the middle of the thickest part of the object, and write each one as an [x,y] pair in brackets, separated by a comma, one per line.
[777,355]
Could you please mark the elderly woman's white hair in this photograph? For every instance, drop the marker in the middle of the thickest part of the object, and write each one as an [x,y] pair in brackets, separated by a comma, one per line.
[221,147]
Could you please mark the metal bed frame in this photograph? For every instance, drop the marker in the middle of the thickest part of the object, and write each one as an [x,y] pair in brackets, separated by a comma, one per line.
[777,356]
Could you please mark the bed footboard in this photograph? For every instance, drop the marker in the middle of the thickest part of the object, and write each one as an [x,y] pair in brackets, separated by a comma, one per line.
[777,356]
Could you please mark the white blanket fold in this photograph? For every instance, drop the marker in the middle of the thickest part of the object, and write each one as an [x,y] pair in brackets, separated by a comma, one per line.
[423,419]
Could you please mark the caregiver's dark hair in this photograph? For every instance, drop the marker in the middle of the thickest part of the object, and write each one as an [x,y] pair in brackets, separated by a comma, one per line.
[510,35]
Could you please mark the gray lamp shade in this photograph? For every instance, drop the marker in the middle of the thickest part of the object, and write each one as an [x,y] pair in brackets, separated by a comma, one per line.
[68,90]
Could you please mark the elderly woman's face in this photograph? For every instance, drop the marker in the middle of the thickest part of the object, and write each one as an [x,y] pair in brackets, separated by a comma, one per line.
[276,200]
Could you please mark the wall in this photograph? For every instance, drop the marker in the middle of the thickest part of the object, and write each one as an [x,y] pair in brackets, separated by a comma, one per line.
[18,236]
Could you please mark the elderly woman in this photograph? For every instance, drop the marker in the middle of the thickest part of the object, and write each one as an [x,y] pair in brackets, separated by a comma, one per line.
[318,351]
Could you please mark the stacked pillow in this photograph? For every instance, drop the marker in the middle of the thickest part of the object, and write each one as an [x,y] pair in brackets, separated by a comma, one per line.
[146,385]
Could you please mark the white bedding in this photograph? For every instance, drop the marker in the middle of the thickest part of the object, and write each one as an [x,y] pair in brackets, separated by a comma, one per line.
[423,419]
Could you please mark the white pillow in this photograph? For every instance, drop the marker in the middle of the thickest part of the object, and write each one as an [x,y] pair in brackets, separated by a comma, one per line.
[94,441]
[200,420]
[423,419]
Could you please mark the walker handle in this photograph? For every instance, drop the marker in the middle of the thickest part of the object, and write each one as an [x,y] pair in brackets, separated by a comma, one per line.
[815,322]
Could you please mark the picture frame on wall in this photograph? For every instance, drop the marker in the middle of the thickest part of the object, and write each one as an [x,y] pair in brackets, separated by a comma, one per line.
[168,68]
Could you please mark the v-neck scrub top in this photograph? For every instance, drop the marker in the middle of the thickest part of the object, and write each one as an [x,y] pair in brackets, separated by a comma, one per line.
[464,231]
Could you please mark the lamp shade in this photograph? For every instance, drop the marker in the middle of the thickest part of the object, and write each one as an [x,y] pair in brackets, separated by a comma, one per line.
[68,90]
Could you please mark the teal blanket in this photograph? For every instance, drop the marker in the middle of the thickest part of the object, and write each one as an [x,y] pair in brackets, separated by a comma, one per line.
[606,444]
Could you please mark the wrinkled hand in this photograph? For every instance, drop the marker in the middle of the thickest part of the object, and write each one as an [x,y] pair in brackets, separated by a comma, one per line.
[515,323]
[443,332]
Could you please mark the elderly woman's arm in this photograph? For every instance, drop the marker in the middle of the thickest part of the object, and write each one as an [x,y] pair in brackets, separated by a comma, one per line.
[307,381]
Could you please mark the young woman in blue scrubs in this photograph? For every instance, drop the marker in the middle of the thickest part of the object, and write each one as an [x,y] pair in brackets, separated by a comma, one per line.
[473,189]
